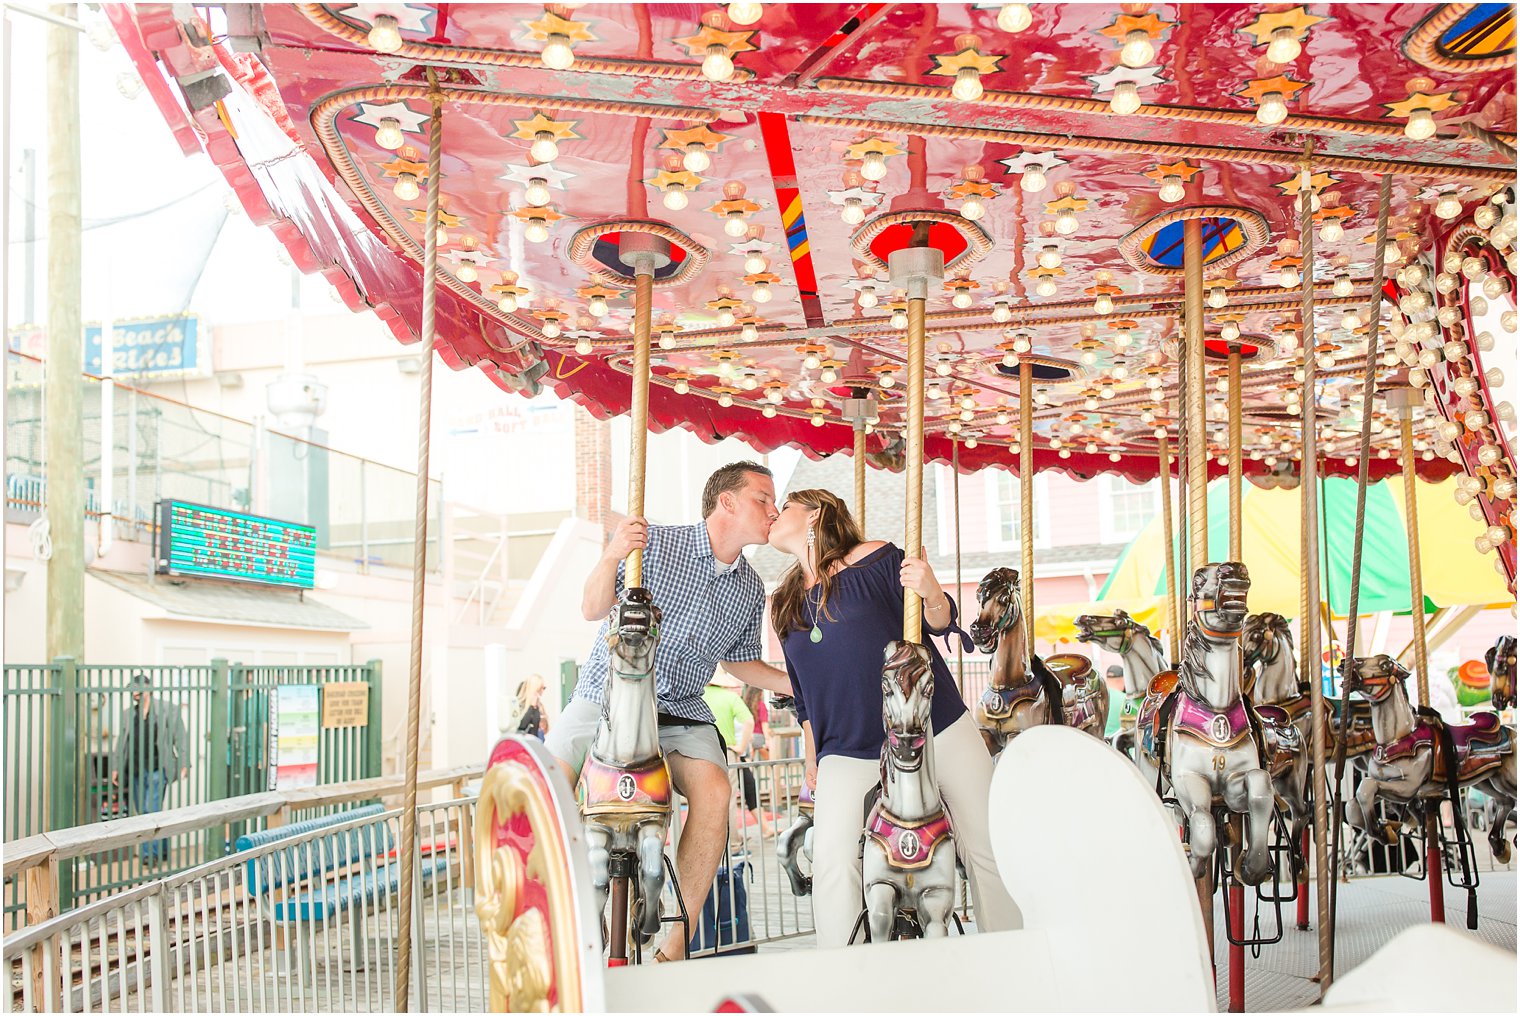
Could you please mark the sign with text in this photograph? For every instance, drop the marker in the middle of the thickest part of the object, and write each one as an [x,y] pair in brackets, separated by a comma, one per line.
[345,704]
[217,543]
[293,736]
[157,348]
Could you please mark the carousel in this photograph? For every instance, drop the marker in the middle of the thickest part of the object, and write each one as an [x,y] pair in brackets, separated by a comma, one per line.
[1270,244]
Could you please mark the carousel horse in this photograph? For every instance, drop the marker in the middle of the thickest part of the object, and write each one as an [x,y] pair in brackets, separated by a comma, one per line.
[1084,696]
[1023,692]
[796,842]
[1142,655]
[624,789]
[1501,671]
[908,851]
[1195,731]
[1419,758]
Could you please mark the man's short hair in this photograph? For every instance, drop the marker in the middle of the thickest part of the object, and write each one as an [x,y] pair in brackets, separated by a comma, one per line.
[1114,670]
[725,479]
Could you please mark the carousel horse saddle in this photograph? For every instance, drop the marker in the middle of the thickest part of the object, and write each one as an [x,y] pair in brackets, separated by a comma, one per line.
[1479,745]
[998,702]
[1283,743]
[624,793]
[909,846]
[1070,668]
[1220,728]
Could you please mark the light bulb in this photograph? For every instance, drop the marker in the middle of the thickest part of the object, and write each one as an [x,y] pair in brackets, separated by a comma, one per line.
[1420,125]
[1021,344]
[1284,47]
[1493,287]
[899,318]
[557,54]
[775,395]
[1014,17]
[1218,298]
[867,296]
[508,303]
[1485,215]
[1489,455]
[726,317]
[725,400]
[1229,331]
[1272,110]
[1172,189]
[1125,100]
[1288,277]
[1350,320]
[973,208]
[749,382]
[853,212]
[675,197]
[537,191]
[1049,257]
[1045,287]
[466,272]
[1066,222]
[717,65]
[1103,304]
[667,339]
[1331,231]
[441,236]
[961,300]
[761,292]
[1472,268]
[1088,357]
[1391,253]
[388,135]
[734,223]
[1495,377]
[1448,206]
[745,13]
[755,263]
[968,84]
[887,380]
[682,386]
[1033,179]
[696,159]
[384,35]
[536,231]
[1507,321]
[1342,285]
[1010,360]
[874,165]
[583,346]
[749,331]
[551,329]
[544,147]
[597,307]
[406,188]
[1137,50]
[769,412]
[1001,312]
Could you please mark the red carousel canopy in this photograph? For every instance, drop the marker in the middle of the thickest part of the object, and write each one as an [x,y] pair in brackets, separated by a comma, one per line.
[1079,144]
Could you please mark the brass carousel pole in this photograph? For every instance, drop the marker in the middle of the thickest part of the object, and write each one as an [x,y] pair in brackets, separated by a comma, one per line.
[1309,482]
[1236,454]
[860,472]
[1026,492]
[1197,421]
[914,454]
[955,491]
[638,436]
[419,549]
[1174,614]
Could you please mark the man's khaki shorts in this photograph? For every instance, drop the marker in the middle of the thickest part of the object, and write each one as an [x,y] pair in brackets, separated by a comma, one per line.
[570,737]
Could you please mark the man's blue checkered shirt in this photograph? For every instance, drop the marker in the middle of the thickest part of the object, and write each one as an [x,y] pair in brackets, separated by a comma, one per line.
[707,618]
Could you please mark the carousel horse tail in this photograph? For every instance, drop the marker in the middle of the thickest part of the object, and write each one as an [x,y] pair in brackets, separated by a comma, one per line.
[1163,721]
[1052,686]
[1454,793]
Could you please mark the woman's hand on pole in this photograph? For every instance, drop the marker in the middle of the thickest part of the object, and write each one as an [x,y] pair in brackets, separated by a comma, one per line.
[919,577]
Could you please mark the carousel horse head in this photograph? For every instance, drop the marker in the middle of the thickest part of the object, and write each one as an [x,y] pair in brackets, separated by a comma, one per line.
[1501,670]
[1375,676]
[1264,637]
[907,690]
[634,634]
[1113,632]
[1219,597]
[998,598]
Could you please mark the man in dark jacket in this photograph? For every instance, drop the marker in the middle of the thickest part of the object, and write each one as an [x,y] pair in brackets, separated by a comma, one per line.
[152,751]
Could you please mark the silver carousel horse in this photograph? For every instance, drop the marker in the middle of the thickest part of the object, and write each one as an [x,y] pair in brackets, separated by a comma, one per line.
[1501,670]
[1420,759]
[795,843]
[1023,692]
[1084,696]
[1281,703]
[908,855]
[1195,730]
[1143,658]
[624,789]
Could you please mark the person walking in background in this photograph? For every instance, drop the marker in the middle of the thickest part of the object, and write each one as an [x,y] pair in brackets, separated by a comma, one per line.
[152,751]
[759,742]
[1114,679]
[531,718]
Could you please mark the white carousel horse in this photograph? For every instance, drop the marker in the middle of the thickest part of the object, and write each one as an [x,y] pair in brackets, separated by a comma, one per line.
[908,857]
[1501,671]
[795,843]
[1084,696]
[1281,704]
[1420,758]
[1143,659]
[1023,693]
[624,789]
[1194,728]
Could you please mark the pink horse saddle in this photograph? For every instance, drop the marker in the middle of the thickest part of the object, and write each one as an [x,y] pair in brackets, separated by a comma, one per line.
[1221,729]
[909,845]
[1282,737]
[605,789]
[1480,744]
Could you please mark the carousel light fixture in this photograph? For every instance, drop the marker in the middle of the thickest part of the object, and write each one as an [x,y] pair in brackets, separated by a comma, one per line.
[695,159]
[1125,98]
[1331,230]
[544,147]
[745,13]
[1171,190]
[536,229]
[1448,206]
[385,34]
[867,296]
[388,135]
[1273,109]
[1045,287]
[1014,18]
[1218,297]
[1049,256]
[557,53]
[1137,50]
[853,211]
[1001,311]
[537,191]
[718,64]
[1032,180]
[1284,47]
[407,188]
[1066,222]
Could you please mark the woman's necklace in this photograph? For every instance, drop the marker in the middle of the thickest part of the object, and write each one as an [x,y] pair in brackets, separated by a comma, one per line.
[816,635]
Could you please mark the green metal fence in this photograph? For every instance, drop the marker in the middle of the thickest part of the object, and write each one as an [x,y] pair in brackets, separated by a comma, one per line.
[84,744]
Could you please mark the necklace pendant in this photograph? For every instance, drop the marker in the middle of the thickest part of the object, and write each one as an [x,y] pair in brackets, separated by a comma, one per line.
[816,635]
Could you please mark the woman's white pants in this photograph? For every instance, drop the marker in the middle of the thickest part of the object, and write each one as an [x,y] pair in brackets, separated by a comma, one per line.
[964,770]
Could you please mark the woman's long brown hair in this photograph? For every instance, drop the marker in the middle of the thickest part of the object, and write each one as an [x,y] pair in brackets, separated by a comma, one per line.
[835,535]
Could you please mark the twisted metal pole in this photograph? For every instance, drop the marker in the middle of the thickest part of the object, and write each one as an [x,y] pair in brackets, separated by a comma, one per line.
[1309,520]
[1197,421]
[408,843]
[955,488]
[1369,388]
[1174,615]
[1026,491]
[638,436]
[914,455]
[1236,452]
[860,472]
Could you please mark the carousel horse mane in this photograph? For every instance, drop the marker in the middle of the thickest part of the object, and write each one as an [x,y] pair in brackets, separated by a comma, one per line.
[1263,630]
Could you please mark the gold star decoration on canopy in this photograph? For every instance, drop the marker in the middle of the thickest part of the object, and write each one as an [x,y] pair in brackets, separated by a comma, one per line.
[1258,87]
[528,130]
[1124,24]
[701,134]
[1433,101]
[949,65]
[733,42]
[1297,18]
[1186,170]
[553,24]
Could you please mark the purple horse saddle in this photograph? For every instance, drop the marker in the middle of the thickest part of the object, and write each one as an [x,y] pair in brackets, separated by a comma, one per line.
[998,703]
[1480,744]
[1222,729]
[909,845]
[1282,737]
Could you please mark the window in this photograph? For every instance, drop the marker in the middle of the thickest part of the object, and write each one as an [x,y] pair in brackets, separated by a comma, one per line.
[1003,515]
[1127,508]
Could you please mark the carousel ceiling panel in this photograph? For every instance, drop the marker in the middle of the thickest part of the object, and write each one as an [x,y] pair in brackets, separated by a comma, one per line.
[1080,146]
